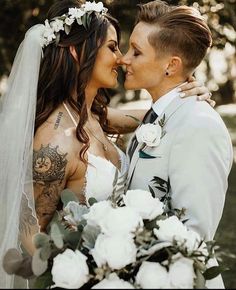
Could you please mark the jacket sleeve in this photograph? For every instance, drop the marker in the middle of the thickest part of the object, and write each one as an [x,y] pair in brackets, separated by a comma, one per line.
[199,165]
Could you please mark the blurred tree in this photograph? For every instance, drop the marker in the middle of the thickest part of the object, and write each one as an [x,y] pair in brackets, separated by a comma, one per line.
[18,15]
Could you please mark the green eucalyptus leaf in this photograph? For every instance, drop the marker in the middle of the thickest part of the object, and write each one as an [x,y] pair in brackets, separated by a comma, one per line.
[56,236]
[67,196]
[12,261]
[214,271]
[67,29]
[25,270]
[84,20]
[44,281]
[57,40]
[89,18]
[46,251]
[38,265]
[40,240]
[73,239]
[79,21]
[57,220]
[90,235]
[92,200]
[200,282]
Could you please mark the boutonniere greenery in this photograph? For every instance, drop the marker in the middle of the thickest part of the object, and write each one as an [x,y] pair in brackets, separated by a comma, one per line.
[151,134]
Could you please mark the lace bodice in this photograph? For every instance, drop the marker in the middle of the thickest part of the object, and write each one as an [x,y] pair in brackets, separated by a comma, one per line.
[101,174]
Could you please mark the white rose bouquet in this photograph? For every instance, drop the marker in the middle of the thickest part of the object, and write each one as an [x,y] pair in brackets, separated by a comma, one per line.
[127,242]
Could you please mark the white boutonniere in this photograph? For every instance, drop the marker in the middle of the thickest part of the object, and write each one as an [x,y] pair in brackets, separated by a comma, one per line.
[151,134]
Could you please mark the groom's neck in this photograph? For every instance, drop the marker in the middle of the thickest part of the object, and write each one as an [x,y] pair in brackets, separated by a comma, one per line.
[165,86]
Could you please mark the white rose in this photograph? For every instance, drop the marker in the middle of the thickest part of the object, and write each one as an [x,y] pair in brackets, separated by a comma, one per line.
[113,282]
[92,6]
[70,270]
[74,212]
[76,12]
[97,212]
[150,134]
[57,25]
[143,202]
[121,220]
[69,21]
[152,276]
[173,229]
[48,33]
[116,251]
[181,274]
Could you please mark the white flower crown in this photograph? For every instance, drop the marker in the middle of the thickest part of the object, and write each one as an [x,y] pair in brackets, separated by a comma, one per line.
[63,23]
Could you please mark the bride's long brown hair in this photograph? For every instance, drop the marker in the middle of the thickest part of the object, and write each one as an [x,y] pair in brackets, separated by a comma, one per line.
[62,78]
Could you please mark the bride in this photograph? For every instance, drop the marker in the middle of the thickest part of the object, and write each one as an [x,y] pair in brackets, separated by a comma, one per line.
[55,123]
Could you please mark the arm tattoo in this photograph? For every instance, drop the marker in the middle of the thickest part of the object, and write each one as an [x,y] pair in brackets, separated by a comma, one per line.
[59,116]
[49,168]
[27,220]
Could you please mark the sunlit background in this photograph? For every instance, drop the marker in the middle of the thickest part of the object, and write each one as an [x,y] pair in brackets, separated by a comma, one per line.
[217,71]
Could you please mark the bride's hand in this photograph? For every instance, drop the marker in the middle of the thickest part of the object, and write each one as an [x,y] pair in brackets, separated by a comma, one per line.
[194,87]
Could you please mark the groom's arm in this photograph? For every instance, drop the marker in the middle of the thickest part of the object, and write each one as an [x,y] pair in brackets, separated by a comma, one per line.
[200,162]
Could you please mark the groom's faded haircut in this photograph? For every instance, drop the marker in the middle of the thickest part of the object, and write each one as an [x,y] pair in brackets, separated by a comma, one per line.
[181,30]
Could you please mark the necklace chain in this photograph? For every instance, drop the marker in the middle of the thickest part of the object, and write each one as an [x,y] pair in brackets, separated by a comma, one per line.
[104,146]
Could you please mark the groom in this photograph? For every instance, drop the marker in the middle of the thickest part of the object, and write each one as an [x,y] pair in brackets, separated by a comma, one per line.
[185,146]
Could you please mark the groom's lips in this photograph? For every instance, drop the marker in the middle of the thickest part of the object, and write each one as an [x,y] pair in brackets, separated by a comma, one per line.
[128,73]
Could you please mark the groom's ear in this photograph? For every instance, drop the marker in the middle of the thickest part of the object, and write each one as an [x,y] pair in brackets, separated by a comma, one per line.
[175,65]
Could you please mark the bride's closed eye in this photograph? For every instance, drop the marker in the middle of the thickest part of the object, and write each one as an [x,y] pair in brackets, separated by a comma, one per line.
[113,48]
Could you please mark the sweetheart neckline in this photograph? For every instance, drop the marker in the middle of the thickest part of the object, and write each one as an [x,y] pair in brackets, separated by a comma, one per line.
[107,160]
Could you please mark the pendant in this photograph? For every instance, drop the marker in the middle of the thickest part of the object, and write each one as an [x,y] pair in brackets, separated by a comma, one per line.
[105,147]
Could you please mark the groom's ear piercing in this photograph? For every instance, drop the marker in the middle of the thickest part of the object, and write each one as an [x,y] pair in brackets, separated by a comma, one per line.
[167,73]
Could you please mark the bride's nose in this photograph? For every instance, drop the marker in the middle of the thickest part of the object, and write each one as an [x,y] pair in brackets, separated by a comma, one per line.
[124,60]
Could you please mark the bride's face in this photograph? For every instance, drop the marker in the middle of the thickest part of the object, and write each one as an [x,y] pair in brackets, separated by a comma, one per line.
[144,67]
[105,73]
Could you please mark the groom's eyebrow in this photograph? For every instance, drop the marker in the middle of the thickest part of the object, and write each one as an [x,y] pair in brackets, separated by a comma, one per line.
[134,44]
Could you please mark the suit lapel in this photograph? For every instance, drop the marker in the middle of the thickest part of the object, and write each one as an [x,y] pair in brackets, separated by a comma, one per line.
[168,112]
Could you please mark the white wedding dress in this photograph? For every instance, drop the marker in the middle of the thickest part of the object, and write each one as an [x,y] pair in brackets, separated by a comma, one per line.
[102,176]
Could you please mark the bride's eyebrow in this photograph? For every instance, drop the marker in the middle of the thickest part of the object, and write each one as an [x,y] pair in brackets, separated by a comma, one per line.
[112,40]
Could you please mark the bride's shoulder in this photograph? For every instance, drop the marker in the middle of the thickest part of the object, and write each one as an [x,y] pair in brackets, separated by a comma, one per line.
[58,141]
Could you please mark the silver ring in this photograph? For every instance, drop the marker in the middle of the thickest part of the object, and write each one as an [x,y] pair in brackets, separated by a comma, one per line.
[210,94]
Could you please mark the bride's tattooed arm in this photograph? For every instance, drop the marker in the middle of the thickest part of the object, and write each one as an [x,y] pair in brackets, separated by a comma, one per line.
[49,168]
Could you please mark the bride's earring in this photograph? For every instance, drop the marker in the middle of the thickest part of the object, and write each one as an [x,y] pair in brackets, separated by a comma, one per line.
[167,73]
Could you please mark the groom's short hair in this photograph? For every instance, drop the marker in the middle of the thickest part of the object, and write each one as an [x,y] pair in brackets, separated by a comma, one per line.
[181,30]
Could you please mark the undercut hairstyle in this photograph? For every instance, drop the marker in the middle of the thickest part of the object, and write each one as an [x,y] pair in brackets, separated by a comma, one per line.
[180,30]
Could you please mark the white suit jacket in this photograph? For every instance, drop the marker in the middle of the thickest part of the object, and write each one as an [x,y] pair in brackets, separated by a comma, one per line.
[194,158]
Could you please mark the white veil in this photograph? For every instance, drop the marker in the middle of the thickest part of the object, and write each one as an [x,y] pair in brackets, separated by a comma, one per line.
[17,116]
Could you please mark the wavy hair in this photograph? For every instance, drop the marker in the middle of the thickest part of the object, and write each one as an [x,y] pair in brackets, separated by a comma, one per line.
[62,78]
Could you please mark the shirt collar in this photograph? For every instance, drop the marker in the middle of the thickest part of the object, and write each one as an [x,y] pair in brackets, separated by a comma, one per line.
[162,103]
